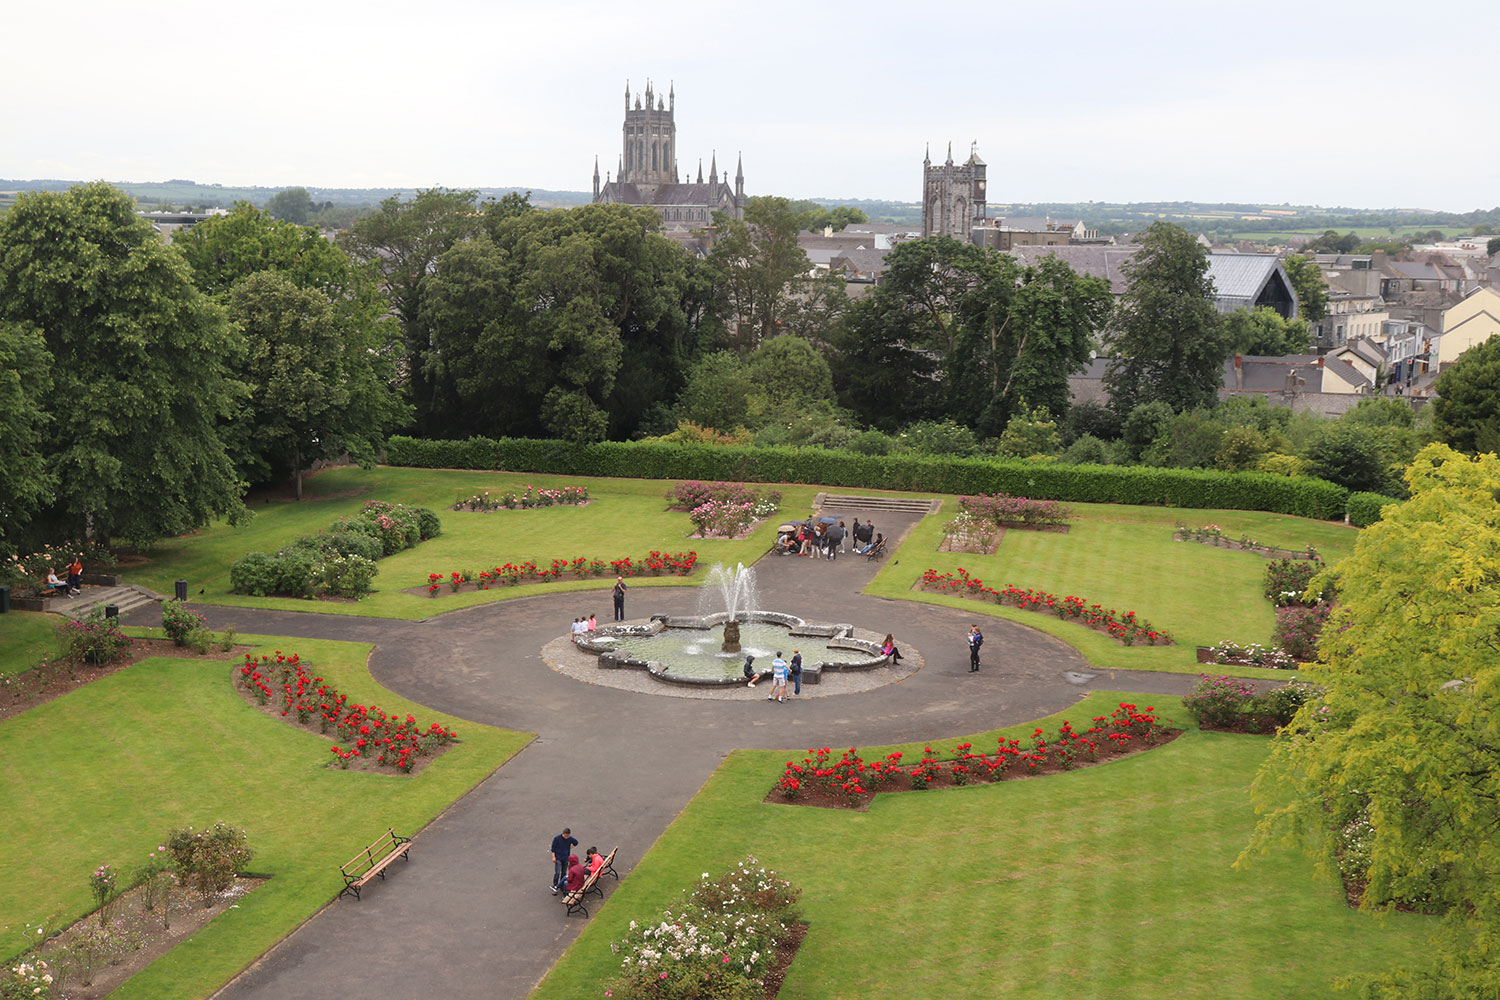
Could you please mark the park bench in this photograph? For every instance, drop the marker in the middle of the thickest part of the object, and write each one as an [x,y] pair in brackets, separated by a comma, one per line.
[575,900]
[372,861]
[878,551]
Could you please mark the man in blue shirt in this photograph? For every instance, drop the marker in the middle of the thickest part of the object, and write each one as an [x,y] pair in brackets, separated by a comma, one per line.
[562,846]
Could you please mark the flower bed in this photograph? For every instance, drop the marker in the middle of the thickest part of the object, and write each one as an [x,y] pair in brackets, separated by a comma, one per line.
[1231,705]
[1212,534]
[1016,512]
[722,510]
[1125,628]
[370,735]
[653,564]
[562,496]
[850,782]
[732,937]
[1252,655]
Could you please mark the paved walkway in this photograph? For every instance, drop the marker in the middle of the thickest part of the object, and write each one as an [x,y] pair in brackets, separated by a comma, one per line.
[473,909]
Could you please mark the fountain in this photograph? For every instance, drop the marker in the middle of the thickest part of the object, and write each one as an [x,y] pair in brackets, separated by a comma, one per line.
[682,650]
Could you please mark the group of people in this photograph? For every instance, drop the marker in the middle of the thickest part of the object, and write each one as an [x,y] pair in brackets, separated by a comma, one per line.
[827,538]
[781,671]
[976,639]
[568,873]
[583,626]
[72,585]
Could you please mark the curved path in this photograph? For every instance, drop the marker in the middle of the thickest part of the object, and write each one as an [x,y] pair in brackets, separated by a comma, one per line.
[472,916]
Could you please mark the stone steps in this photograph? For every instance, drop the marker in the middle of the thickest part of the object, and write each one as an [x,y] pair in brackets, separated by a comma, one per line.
[854,505]
[127,597]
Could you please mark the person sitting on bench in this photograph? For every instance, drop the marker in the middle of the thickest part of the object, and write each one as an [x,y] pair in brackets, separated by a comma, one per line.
[871,546]
[751,672]
[56,586]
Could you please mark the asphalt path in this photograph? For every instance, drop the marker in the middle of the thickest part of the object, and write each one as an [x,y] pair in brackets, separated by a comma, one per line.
[472,915]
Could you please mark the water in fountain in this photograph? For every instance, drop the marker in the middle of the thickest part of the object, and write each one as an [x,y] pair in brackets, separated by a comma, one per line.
[729,591]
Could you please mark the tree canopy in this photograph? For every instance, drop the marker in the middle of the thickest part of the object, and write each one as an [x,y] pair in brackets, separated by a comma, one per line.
[1394,772]
[757,262]
[140,362]
[1307,282]
[1167,339]
[1264,331]
[1466,413]
[293,205]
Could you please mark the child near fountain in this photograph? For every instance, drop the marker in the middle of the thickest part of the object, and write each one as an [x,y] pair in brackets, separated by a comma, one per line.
[751,672]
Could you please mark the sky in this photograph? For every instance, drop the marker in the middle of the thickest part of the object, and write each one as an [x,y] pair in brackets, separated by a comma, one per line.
[1370,105]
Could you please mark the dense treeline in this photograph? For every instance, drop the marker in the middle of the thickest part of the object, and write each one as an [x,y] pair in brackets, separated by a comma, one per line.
[144,386]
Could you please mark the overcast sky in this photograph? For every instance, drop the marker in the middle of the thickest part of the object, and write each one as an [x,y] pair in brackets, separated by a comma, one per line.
[1370,105]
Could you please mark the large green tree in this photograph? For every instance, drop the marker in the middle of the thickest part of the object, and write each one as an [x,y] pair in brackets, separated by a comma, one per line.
[140,366]
[293,205]
[25,384]
[403,240]
[758,264]
[1264,331]
[1166,337]
[1307,282]
[567,323]
[223,249]
[1466,413]
[1394,771]
[879,373]
[319,385]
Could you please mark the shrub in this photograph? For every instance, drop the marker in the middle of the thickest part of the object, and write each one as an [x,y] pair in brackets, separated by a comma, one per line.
[209,859]
[255,573]
[1364,508]
[1287,580]
[1298,629]
[297,572]
[346,576]
[1282,703]
[94,639]
[182,624]
[1003,509]
[351,538]
[1087,450]
[1217,702]
[428,524]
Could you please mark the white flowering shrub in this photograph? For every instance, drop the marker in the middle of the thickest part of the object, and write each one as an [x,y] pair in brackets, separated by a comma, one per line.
[716,945]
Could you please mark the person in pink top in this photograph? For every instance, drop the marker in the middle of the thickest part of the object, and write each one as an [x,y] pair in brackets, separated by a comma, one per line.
[593,624]
[595,860]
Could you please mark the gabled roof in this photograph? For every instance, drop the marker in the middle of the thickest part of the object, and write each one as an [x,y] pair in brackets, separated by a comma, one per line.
[1365,349]
[1241,275]
[872,261]
[1097,260]
[1345,371]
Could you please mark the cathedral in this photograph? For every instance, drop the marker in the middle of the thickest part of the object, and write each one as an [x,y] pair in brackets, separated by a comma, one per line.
[953,202]
[648,170]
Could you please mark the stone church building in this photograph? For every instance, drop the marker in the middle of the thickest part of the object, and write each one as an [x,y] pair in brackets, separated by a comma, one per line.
[953,200]
[648,173]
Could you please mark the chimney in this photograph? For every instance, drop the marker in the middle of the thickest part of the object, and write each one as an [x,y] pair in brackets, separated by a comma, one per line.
[1239,372]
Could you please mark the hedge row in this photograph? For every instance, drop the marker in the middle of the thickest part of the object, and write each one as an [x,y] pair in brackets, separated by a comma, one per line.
[1301,496]
[1364,508]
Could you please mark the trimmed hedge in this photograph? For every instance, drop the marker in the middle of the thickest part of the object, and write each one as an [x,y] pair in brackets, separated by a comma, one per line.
[1363,509]
[1301,496]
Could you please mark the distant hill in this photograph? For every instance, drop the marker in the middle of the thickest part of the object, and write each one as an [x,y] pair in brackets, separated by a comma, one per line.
[179,193]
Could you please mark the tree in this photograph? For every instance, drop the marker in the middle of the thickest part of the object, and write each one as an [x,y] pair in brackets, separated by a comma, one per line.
[788,371]
[223,249]
[318,389]
[1466,413]
[718,392]
[25,383]
[1394,769]
[1264,331]
[293,205]
[1352,455]
[1167,338]
[878,372]
[403,241]
[757,261]
[140,367]
[1307,282]
[1492,247]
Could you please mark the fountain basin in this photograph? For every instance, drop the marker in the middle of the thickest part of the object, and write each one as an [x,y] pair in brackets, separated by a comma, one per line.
[686,649]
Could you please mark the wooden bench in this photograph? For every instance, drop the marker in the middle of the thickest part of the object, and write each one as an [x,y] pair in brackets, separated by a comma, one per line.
[372,861]
[575,899]
[878,551]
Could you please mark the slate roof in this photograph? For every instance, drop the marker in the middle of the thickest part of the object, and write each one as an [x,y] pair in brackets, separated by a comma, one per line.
[1370,351]
[1241,275]
[670,194]
[871,261]
[1345,371]
[1098,260]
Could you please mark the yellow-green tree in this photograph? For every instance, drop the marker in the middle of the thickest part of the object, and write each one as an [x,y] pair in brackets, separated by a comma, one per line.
[1395,772]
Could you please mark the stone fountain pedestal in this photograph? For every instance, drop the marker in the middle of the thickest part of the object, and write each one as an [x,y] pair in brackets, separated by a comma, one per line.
[731,637]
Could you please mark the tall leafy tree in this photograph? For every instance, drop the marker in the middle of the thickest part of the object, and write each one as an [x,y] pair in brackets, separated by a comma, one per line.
[1264,331]
[879,373]
[758,262]
[1399,758]
[1167,339]
[293,205]
[1466,413]
[25,384]
[403,241]
[1307,282]
[141,363]
[317,388]
[223,249]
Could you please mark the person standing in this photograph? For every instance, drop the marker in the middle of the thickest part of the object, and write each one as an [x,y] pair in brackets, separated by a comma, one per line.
[75,575]
[795,671]
[835,540]
[619,596]
[976,639]
[562,845]
[778,679]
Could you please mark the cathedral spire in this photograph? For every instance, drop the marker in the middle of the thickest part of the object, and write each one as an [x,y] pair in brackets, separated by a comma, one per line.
[596,177]
[671,95]
[950,152]
[927,155]
[713,168]
[700,170]
[627,95]
[739,178]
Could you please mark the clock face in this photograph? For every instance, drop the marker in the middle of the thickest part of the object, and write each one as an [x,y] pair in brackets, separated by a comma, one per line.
[979,189]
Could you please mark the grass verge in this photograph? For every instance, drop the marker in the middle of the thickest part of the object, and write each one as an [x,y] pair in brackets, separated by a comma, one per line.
[100,774]
[1036,888]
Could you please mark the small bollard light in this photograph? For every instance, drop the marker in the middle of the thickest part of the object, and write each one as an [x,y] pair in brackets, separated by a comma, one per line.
[181,590]
[111,611]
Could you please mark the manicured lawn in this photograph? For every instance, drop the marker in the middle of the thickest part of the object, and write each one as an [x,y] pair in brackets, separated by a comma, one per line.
[102,773]
[25,637]
[627,518]
[1116,877]
[1124,557]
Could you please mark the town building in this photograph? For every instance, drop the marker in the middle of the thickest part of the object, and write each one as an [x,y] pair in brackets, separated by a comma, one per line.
[1473,320]
[648,173]
[953,196]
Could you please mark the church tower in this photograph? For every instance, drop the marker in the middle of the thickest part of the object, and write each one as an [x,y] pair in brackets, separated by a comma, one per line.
[953,196]
[650,140]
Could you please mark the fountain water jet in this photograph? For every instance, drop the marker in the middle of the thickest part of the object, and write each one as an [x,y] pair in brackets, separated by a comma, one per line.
[736,592]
